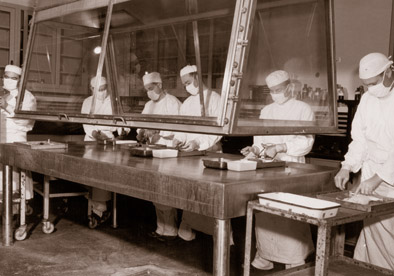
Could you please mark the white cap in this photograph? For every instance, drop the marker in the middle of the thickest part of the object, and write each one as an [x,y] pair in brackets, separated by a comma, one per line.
[372,65]
[188,69]
[276,77]
[102,81]
[153,77]
[14,69]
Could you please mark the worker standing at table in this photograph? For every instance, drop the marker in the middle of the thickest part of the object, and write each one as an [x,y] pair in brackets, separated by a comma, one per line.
[161,103]
[279,239]
[194,141]
[102,105]
[15,130]
[372,151]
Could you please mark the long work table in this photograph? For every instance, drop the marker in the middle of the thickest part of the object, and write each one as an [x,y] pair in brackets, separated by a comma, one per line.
[181,182]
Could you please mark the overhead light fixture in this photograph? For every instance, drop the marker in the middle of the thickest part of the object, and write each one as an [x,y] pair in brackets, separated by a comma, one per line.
[97,50]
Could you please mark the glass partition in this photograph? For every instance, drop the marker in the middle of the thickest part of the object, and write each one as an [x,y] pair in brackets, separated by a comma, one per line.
[291,37]
[159,37]
[63,60]
[234,44]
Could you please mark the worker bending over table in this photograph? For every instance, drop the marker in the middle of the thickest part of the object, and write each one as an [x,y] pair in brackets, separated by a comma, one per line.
[372,151]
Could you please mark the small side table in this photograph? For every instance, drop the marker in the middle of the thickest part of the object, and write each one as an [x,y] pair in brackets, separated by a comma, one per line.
[323,257]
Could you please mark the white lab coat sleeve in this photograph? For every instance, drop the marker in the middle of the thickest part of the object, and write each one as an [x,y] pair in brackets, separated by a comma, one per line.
[90,128]
[207,141]
[172,108]
[357,148]
[29,104]
[301,145]
[386,172]
[85,110]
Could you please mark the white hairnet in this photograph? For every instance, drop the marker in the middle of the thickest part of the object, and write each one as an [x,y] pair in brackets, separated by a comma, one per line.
[153,77]
[373,64]
[14,69]
[188,69]
[276,77]
[103,81]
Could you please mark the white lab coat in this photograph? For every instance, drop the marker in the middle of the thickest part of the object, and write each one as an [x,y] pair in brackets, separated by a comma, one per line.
[165,216]
[15,130]
[168,105]
[102,108]
[278,239]
[191,107]
[297,145]
[372,151]
[98,196]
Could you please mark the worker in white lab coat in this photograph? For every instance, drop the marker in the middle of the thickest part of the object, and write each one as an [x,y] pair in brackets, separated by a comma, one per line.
[278,239]
[372,151]
[15,130]
[102,106]
[160,103]
[194,141]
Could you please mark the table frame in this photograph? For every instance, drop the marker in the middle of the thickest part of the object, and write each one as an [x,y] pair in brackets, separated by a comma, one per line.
[324,231]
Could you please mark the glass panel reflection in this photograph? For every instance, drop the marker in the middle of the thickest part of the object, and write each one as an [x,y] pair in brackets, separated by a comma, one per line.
[64,58]
[151,36]
[291,38]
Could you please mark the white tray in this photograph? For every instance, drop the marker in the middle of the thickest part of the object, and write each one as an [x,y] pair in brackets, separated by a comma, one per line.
[164,153]
[241,165]
[298,204]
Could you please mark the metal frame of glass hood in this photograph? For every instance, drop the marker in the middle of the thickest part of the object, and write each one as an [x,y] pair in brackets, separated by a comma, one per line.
[226,124]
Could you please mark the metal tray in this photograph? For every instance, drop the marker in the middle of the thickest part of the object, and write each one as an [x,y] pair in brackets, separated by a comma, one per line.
[218,163]
[141,152]
[221,163]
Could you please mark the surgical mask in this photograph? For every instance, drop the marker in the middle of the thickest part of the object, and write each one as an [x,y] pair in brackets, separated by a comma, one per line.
[153,95]
[192,89]
[10,84]
[379,90]
[279,98]
[101,95]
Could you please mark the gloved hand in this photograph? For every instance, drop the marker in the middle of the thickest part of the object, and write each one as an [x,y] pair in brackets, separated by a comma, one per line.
[150,132]
[342,178]
[155,138]
[177,144]
[190,146]
[141,136]
[272,150]
[250,152]
[100,136]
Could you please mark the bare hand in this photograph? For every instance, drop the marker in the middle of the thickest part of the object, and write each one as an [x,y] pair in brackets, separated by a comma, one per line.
[141,136]
[270,151]
[190,146]
[368,186]
[342,178]
[155,138]
[177,144]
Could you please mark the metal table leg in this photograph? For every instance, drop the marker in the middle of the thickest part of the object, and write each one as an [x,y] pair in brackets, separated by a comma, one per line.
[7,206]
[221,247]
[248,239]
[322,249]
